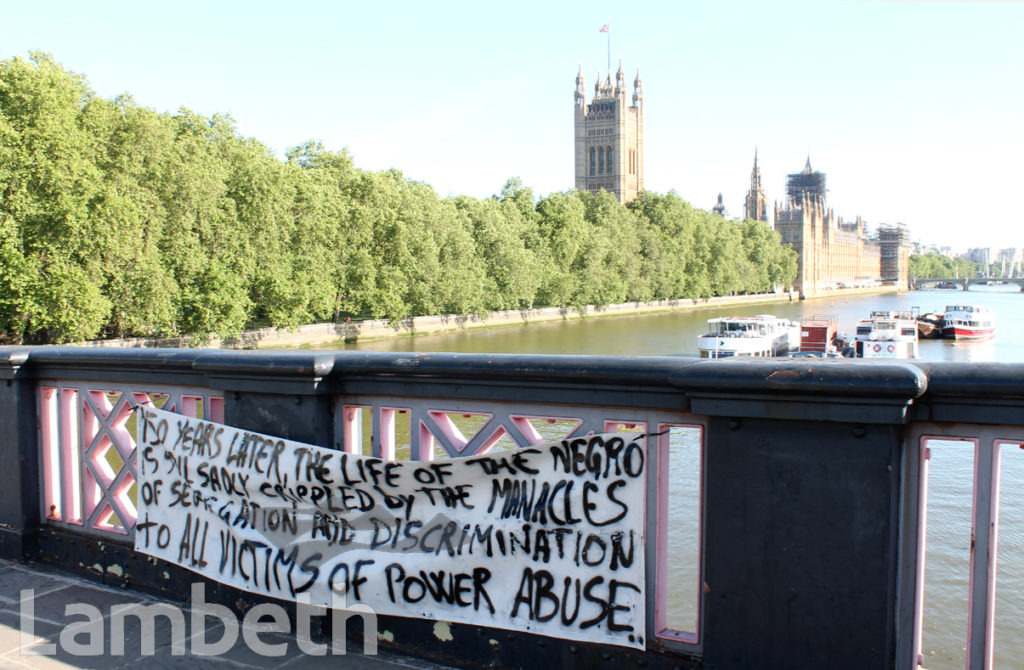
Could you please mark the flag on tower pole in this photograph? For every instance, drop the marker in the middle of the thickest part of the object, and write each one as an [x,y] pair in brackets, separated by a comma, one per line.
[607,28]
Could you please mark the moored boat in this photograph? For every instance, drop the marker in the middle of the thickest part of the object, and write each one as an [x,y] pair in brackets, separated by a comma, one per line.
[929,326]
[749,336]
[819,335]
[968,322]
[887,334]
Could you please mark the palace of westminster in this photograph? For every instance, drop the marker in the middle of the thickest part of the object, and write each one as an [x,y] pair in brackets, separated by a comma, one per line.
[830,252]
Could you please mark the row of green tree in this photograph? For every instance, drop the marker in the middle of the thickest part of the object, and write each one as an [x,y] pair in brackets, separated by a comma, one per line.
[116,220]
[938,266]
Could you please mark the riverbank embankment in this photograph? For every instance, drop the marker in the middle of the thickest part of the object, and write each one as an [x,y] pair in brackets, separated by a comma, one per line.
[324,333]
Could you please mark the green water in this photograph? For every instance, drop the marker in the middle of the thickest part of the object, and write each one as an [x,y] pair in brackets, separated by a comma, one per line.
[675,333]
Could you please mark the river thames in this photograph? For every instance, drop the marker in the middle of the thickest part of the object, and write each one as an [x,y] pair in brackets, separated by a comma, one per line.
[675,333]
[951,467]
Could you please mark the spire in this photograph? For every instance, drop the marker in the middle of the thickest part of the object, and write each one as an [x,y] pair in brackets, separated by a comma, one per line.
[620,81]
[807,168]
[756,204]
[580,95]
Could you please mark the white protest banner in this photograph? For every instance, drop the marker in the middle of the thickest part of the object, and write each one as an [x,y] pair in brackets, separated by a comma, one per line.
[547,539]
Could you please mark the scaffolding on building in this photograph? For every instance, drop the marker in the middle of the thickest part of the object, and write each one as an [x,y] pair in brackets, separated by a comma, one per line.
[893,240]
[808,182]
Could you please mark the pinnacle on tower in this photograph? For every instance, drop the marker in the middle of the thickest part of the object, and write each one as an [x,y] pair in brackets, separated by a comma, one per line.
[638,90]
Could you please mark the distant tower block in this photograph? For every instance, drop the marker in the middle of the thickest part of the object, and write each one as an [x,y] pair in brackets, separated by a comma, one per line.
[756,204]
[610,137]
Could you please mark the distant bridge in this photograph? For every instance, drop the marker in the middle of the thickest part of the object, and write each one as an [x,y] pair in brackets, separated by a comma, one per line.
[965,284]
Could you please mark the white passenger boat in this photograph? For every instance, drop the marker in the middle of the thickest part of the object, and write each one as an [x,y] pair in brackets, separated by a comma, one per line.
[968,322]
[887,335]
[739,336]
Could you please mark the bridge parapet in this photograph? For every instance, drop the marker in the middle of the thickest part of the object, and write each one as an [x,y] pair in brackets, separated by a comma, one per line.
[782,526]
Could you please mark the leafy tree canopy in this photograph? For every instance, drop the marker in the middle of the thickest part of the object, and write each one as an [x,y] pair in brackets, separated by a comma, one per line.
[116,220]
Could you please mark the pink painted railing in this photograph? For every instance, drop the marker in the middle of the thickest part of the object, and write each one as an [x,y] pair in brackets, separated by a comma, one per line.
[88,462]
[418,429]
[965,565]
[783,497]
[87,443]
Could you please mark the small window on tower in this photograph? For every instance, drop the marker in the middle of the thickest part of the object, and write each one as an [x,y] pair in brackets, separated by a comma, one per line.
[610,163]
[600,160]
[593,160]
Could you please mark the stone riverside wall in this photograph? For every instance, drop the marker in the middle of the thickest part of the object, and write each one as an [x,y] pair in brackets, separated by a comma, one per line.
[321,333]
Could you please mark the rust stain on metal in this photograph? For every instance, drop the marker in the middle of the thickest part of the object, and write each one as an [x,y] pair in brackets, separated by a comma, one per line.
[784,376]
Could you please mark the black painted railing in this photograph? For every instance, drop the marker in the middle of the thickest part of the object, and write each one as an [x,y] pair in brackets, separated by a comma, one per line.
[786,499]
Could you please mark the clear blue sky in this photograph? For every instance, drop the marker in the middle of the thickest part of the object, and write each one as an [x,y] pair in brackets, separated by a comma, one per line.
[913,109]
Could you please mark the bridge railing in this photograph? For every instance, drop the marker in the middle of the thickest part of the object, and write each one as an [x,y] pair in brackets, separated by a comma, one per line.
[787,500]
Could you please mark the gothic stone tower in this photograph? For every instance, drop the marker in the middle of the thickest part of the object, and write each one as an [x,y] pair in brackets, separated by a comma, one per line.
[830,252]
[610,137]
[756,204]
[805,224]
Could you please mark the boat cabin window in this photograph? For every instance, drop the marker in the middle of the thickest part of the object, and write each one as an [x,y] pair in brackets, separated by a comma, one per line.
[716,354]
[739,328]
